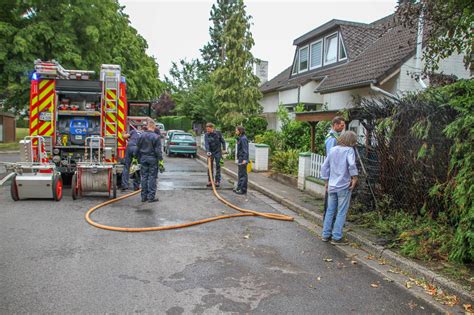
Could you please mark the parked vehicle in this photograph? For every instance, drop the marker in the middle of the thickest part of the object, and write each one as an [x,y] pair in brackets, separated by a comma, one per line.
[162,129]
[182,143]
[169,133]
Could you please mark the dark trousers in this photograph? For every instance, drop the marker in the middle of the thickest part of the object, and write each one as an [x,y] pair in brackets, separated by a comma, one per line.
[129,154]
[243,178]
[149,172]
[217,160]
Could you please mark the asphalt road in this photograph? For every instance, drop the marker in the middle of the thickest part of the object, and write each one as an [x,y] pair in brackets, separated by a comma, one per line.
[52,261]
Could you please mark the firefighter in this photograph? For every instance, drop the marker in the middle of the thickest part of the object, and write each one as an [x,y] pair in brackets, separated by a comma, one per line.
[213,142]
[130,152]
[150,157]
[243,158]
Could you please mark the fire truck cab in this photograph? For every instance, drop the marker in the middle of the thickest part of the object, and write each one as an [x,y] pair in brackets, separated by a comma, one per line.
[68,107]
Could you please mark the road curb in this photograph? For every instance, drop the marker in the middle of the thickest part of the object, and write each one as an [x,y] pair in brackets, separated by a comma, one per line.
[376,250]
[9,152]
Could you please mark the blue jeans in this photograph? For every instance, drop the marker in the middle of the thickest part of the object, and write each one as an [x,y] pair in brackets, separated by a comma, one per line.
[338,202]
[149,172]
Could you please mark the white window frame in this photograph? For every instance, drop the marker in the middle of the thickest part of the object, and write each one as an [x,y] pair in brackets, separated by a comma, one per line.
[299,59]
[339,43]
[337,48]
[322,53]
[296,65]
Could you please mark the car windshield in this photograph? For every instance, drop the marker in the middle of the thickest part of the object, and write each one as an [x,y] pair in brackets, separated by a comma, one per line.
[183,137]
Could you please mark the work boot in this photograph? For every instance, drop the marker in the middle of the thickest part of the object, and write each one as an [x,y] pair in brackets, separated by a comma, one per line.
[209,184]
[240,192]
[124,189]
[143,199]
[218,184]
[153,200]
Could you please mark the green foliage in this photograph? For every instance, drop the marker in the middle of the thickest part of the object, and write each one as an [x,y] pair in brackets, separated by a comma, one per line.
[295,134]
[458,191]
[176,122]
[236,87]
[255,125]
[192,91]
[447,24]
[79,34]
[285,162]
[231,149]
[213,53]
[426,162]
[271,138]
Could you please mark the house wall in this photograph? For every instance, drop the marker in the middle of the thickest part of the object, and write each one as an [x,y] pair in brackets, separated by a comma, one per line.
[288,96]
[343,99]
[307,94]
[270,102]
[454,64]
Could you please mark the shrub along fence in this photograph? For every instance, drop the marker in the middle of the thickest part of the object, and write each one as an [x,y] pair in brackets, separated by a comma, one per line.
[416,171]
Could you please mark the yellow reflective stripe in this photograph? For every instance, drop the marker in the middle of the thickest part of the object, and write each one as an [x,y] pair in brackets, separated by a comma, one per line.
[46,91]
[46,102]
[121,115]
[50,132]
[112,94]
[45,125]
[111,105]
[43,83]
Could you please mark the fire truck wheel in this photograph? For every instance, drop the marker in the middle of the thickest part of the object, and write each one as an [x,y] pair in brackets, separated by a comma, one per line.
[74,188]
[14,189]
[57,187]
[114,186]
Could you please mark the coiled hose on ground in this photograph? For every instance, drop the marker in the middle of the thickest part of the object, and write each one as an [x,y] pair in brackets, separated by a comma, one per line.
[243,212]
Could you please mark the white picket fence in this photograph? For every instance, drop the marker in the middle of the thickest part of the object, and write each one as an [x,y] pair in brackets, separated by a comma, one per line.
[316,163]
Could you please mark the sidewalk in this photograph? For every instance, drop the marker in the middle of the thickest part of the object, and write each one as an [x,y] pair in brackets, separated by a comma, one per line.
[311,208]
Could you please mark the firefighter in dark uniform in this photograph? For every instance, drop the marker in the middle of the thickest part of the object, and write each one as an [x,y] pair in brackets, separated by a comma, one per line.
[213,142]
[130,153]
[243,159]
[149,156]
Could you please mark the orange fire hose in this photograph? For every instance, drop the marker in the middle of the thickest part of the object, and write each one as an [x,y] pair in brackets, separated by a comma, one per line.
[244,212]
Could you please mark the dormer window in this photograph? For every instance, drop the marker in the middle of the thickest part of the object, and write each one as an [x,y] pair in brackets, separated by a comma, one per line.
[303,59]
[321,52]
[316,54]
[342,49]
[330,49]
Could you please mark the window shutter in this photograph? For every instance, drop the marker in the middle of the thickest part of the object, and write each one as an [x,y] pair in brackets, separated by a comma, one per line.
[316,54]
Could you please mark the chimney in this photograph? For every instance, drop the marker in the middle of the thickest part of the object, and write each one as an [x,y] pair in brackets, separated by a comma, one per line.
[261,71]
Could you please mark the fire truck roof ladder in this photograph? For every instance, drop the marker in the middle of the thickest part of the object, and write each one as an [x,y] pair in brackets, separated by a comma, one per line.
[52,69]
[110,77]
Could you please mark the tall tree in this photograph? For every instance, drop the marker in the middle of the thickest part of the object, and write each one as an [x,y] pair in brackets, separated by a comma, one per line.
[192,91]
[80,34]
[165,106]
[236,86]
[213,53]
[448,25]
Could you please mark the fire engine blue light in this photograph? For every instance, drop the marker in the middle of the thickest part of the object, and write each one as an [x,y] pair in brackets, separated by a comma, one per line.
[122,79]
[34,76]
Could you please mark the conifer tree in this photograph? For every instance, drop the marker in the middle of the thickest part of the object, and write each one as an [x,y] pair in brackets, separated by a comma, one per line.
[236,87]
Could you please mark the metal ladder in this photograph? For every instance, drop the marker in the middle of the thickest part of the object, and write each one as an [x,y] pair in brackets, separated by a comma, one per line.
[110,77]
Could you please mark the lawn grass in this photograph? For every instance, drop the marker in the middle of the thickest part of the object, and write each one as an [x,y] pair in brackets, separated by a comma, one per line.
[14,146]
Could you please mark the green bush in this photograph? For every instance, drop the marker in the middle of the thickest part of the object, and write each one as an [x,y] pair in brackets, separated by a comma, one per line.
[176,122]
[271,138]
[231,149]
[255,125]
[285,162]
[22,123]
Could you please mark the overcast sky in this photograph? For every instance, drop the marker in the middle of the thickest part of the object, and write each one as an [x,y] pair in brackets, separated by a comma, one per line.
[178,29]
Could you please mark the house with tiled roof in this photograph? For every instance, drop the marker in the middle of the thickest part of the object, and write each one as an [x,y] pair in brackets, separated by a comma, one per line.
[341,60]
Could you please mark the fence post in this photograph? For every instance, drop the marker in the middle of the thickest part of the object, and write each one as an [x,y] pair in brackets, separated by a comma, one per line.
[304,166]
[261,157]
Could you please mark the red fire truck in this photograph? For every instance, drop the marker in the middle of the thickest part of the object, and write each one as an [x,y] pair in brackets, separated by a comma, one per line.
[69,107]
